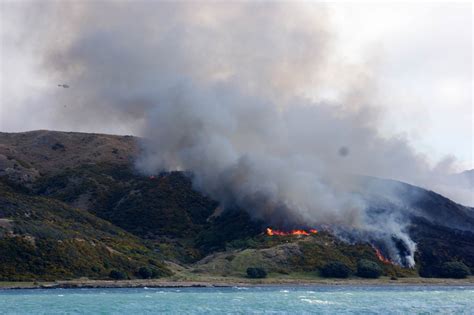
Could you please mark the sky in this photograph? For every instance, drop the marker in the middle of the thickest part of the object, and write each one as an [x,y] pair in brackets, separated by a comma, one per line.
[423,69]
[417,58]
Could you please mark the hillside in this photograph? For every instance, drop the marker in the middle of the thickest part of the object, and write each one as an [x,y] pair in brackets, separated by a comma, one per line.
[72,205]
[51,151]
[46,239]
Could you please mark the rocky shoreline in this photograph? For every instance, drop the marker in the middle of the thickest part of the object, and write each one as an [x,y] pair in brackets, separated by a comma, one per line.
[166,283]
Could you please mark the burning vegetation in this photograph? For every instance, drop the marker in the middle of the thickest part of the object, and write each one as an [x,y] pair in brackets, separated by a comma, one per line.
[272,232]
[381,257]
[301,232]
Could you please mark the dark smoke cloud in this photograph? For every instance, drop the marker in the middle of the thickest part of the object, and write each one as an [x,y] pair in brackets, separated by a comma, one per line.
[221,90]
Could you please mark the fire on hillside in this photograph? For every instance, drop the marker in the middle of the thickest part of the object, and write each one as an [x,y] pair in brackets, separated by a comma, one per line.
[381,257]
[272,232]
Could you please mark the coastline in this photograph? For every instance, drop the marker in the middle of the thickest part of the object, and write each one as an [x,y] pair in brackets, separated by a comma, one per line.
[242,282]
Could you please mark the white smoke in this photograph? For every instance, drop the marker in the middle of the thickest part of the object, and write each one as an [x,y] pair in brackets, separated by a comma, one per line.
[229,91]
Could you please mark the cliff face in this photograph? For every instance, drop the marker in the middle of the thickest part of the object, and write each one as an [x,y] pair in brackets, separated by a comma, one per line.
[72,204]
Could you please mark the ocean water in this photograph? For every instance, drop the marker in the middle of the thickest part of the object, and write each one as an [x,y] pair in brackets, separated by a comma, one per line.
[243,300]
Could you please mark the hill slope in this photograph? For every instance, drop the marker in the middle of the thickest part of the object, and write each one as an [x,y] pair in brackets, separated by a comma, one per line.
[75,205]
[44,238]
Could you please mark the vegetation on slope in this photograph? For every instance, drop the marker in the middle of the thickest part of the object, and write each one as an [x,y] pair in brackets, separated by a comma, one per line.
[47,239]
[148,207]
[72,205]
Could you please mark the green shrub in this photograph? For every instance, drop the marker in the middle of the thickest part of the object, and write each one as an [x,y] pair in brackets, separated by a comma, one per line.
[368,269]
[144,272]
[454,269]
[117,275]
[255,272]
[335,269]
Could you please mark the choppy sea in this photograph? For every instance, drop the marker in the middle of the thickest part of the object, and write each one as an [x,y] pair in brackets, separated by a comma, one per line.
[243,300]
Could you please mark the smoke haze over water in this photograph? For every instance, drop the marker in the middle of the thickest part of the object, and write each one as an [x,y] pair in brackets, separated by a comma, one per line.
[230,93]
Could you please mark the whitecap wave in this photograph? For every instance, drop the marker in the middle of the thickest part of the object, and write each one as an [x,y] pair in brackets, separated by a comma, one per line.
[314,301]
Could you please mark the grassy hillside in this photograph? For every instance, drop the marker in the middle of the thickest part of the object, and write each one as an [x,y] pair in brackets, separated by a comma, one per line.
[285,255]
[42,238]
[50,151]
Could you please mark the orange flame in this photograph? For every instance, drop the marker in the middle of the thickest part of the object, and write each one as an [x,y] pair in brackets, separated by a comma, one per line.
[272,232]
[381,257]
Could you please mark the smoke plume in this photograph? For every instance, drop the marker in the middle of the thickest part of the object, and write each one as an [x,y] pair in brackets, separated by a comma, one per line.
[231,92]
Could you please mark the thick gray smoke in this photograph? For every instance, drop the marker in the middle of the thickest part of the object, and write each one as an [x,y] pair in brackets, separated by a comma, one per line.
[227,91]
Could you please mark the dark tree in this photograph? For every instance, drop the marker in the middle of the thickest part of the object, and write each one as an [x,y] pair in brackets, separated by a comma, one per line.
[368,269]
[454,269]
[117,275]
[145,272]
[255,272]
[335,269]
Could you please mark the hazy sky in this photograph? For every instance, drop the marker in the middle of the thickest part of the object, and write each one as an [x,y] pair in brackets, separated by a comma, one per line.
[417,57]
[423,55]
